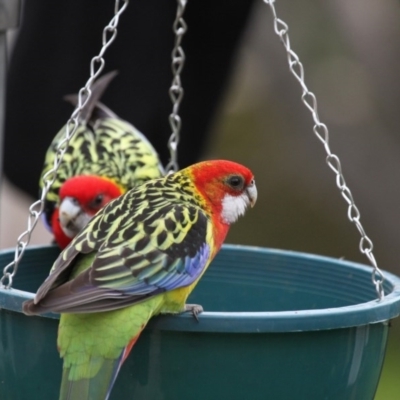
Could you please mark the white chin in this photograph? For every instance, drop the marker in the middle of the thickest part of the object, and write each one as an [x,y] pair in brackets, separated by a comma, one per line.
[233,207]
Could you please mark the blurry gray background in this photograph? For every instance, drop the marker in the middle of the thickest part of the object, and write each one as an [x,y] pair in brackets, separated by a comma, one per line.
[350,52]
[351,60]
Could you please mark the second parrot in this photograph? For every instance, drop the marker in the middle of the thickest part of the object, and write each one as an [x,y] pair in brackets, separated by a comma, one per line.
[106,157]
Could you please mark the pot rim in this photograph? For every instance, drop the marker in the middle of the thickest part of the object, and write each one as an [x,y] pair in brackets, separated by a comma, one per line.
[365,313]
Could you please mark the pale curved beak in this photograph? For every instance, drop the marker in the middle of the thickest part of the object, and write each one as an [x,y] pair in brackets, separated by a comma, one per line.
[252,193]
[72,217]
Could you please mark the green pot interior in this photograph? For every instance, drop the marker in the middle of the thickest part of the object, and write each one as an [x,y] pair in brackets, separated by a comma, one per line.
[278,325]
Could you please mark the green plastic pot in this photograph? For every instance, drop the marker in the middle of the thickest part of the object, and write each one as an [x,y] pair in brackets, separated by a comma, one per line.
[278,325]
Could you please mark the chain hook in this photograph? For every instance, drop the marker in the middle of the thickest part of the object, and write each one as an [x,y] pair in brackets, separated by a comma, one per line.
[321,131]
[176,90]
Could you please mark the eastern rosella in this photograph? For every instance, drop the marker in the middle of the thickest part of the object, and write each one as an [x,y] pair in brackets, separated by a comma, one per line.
[141,255]
[106,157]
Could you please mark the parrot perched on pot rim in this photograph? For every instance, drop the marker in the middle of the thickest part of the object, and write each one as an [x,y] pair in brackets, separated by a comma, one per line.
[105,157]
[141,255]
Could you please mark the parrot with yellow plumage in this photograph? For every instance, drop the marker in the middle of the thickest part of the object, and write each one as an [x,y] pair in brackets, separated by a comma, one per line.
[106,157]
[141,255]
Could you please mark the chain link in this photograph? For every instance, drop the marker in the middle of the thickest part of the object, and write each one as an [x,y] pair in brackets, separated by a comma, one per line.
[35,210]
[322,133]
[176,90]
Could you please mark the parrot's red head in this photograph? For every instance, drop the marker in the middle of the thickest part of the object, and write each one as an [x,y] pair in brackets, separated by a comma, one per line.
[229,187]
[80,198]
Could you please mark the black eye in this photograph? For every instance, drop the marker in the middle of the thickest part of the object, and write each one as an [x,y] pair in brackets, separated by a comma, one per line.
[98,200]
[236,182]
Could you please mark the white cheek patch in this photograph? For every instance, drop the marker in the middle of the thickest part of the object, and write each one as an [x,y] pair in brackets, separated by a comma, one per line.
[76,225]
[233,207]
[72,217]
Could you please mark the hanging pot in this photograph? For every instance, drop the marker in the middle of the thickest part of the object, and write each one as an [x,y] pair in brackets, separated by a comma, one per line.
[277,325]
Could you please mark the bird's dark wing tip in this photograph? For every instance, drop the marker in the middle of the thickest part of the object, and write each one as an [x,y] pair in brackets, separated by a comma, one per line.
[29,307]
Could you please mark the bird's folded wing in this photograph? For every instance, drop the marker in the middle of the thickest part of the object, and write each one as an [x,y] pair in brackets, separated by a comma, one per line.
[173,255]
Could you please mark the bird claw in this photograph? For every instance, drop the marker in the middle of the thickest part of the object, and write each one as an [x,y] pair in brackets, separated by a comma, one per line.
[195,309]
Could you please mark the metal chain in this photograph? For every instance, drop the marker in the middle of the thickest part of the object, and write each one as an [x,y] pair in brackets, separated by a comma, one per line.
[35,210]
[322,133]
[176,90]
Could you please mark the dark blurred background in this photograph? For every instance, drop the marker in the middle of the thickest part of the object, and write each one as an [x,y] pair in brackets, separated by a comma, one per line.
[350,52]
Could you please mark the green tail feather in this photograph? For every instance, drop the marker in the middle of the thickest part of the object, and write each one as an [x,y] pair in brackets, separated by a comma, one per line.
[96,388]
